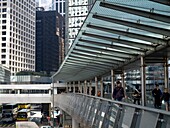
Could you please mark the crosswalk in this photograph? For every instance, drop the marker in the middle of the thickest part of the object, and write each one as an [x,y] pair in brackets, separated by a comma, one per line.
[7,125]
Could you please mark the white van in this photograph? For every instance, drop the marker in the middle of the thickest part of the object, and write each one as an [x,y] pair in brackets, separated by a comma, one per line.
[46,127]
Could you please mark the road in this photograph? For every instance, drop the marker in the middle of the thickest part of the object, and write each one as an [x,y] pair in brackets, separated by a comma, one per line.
[35,117]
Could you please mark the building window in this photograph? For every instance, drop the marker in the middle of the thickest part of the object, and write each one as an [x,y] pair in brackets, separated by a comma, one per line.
[3,27]
[3,62]
[3,21]
[3,56]
[3,15]
[3,33]
[3,44]
[4,10]
[3,38]
[3,50]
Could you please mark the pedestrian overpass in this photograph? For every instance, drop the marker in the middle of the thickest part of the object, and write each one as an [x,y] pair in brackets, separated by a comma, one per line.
[28,93]
[117,36]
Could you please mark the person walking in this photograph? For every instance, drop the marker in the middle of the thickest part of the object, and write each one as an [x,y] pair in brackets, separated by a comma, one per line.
[118,93]
[166,97]
[156,92]
[137,95]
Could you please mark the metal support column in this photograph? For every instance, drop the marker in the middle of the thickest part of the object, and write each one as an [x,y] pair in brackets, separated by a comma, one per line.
[143,81]
[53,100]
[166,76]
[85,87]
[112,82]
[74,87]
[123,82]
[101,87]
[90,87]
[79,88]
[96,86]
[67,87]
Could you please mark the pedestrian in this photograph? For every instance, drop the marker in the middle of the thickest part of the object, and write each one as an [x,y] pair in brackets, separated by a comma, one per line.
[118,93]
[137,95]
[166,97]
[157,93]
[98,93]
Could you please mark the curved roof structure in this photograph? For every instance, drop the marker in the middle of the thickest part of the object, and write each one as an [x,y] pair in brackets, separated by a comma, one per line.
[115,34]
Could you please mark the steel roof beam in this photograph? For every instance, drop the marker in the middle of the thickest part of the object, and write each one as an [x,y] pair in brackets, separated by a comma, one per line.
[97,59]
[81,67]
[98,56]
[151,15]
[88,67]
[118,53]
[98,53]
[165,2]
[121,41]
[106,49]
[92,61]
[154,40]
[153,29]
[75,64]
[121,48]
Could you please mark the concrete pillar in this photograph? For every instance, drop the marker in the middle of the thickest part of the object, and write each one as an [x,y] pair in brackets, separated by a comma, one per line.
[112,82]
[18,91]
[143,81]
[49,91]
[101,87]
[74,123]
[96,86]
[166,76]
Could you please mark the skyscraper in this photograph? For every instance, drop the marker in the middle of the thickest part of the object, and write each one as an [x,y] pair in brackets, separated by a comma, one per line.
[17,38]
[49,40]
[77,10]
[59,6]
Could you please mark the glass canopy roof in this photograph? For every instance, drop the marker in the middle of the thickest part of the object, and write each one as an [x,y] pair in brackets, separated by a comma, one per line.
[114,34]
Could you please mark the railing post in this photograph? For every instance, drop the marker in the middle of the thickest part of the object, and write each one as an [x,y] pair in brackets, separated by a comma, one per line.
[101,86]
[96,86]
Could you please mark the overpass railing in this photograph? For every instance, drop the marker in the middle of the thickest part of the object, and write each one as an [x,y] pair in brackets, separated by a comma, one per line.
[95,112]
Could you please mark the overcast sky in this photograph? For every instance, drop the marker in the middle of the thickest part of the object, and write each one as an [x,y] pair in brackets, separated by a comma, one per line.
[45,3]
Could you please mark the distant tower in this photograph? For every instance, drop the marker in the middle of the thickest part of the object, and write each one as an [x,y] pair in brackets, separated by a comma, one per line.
[17,38]
[77,10]
[49,40]
[59,6]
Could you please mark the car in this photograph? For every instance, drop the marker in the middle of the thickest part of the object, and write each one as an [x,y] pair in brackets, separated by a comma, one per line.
[45,127]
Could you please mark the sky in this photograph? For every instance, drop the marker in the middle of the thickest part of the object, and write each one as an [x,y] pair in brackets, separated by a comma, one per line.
[45,3]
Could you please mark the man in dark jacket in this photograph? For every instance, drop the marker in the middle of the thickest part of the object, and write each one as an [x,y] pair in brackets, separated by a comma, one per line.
[157,96]
[118,92]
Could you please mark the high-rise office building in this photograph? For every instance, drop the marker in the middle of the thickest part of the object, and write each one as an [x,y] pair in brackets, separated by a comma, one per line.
[59,6]
[49,40]
[77,10]
[17,38]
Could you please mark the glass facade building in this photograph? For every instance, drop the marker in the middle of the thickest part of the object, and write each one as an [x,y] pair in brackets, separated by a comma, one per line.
[4,75]
[49,41]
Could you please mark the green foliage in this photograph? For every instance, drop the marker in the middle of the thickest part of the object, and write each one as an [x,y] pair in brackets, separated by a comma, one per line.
[31,73]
